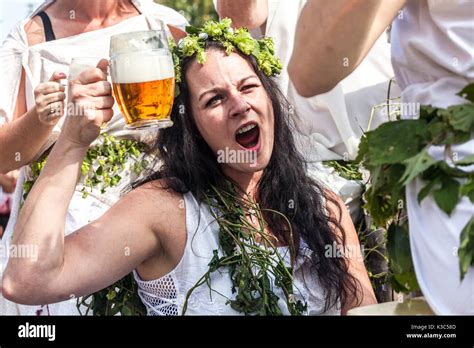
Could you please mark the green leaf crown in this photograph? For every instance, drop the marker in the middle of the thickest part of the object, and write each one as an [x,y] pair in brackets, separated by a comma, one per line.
[194,44]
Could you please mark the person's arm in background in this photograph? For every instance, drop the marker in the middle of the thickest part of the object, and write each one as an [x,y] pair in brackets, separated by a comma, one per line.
[244,13]
[21,139]
[333,37]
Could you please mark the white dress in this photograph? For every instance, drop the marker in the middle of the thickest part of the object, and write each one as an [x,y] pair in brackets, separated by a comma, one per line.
[166,295]
[39,63]
[433,58]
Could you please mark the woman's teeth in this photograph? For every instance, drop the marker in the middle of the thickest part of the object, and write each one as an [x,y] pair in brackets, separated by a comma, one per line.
[246,128]
[248,136]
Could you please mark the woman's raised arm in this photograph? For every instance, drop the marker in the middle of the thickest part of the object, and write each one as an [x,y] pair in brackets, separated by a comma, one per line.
[96,255]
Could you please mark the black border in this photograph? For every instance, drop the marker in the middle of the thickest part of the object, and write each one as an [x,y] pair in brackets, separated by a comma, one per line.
[242,331]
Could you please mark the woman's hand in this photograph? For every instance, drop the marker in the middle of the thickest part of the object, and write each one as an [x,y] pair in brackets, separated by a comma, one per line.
[49,99]
[90,104]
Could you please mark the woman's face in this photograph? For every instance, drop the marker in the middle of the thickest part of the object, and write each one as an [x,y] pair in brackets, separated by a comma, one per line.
[232,111]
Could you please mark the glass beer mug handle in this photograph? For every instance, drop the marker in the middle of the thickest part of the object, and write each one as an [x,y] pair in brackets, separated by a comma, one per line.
[155,23]
[78,65]
[103,126]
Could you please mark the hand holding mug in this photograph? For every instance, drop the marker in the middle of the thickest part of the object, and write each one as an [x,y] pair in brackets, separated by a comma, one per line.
[91,101]
[49,99]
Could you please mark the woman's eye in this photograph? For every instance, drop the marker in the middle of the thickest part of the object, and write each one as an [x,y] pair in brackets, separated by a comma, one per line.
[213,101]
[249,87]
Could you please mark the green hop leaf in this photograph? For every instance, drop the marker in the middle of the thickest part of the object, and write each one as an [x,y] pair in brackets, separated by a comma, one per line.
[466,249]
[190,45]
[460,117]
[426,190]
[466,161]
[401,264]
[468,189]
[416,165]
[244,41]
[384,145]
[447,197]
[467,92]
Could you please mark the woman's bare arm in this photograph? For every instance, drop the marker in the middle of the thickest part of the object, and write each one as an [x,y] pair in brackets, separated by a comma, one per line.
[95,255]
[354,256]
[21,139]
[333,37]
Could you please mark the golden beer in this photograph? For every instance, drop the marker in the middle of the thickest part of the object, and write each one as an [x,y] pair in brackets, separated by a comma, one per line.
[143,81]
[144,101]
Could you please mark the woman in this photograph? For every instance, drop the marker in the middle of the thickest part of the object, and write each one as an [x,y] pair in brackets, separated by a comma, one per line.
[226,104]
[35,57]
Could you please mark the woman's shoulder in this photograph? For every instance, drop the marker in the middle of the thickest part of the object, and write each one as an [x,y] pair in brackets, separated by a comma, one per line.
[156,190]
[158,201]
[154,207]
[34,31]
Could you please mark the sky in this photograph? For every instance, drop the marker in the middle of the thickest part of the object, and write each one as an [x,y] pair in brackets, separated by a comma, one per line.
[12,11]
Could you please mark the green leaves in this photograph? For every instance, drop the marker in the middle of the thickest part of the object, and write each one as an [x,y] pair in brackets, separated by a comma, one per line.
[401,265]
[416,165]
[397,153]
[250,263]
[466,161]
[460,117]
[467,93]
[447,196]
[392,142]
[347,170]
[194,44]
[102,163]
[466,249]
[244,41]
[121,297]
[468,189]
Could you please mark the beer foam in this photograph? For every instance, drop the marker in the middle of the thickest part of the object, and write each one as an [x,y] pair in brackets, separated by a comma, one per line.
[144,66]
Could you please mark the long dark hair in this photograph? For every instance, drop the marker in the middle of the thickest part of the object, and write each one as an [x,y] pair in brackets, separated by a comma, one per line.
[190,165]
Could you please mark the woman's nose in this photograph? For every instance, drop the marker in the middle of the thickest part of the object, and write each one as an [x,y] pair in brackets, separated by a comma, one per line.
[239,105]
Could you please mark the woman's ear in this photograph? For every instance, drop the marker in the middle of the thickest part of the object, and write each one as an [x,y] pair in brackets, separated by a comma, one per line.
[177,33]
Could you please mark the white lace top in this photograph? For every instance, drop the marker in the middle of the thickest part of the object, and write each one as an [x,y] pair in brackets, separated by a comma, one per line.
[166,295]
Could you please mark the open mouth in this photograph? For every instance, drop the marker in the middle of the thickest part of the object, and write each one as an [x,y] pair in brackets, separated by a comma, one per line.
[248,135]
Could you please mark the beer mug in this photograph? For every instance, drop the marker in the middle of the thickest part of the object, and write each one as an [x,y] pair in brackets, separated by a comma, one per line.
[143,80]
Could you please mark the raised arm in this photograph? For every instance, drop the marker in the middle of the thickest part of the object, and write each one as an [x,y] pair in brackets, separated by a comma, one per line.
[244,13]
[333,37]
[97,254]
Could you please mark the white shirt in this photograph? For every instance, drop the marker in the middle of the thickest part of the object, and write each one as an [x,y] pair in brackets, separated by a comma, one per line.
[433,58]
